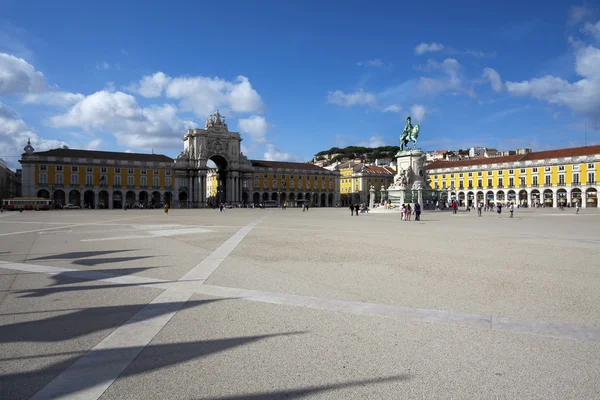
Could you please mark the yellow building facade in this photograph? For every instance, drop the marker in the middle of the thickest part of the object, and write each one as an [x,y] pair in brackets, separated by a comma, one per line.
[97,179]
[356,180]
[545,178]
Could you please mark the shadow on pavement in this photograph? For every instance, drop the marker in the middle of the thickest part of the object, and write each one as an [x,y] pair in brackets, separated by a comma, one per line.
[305,391]
[77,254]
[90,262]
[152,357]
[79,323]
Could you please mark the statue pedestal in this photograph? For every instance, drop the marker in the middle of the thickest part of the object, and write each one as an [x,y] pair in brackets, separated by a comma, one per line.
[409,181]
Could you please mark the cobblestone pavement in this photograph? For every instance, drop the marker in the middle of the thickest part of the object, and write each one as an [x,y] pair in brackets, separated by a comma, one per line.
[268,304]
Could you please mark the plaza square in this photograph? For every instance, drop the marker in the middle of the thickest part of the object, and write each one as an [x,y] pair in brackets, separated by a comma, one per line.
[280,303]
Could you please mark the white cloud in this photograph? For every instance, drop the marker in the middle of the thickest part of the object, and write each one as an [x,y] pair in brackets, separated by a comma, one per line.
[103,66]
[418,112]
[256,126]
[393,108]
[17,76]
[423,48]
[582,96]
[201,95]
[592,30]
[578,14]
[14,133]
[494,77]
[375,63]
[60,99]
[93,144]
[151,85]
[125,52]
[374,141]
[274,154]
[132,125]
[359,97]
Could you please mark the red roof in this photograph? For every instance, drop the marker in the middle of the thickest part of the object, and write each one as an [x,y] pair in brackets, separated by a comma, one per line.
[572,152]
[467,163]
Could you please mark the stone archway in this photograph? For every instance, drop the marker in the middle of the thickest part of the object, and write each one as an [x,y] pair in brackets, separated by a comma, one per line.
[130,199]
[561,195]
[89,199]
[322,201]
[576,197]
[489,197]
[330,198]
[265,197]
[168,197]
[183,199]
[59,198]
[511,196]
[535,198]
[214,143]
[273,196]
[155,200]
[117,200]
[292,200]
[548,198]
[256,198]
[74,197]
[103,199]
[44,194]
[591,198]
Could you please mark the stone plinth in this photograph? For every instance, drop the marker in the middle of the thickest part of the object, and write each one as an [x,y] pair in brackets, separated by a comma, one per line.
[410,179]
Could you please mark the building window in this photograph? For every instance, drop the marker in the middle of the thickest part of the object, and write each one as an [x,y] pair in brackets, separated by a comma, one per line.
[451,176]
[443,185]
[292,181]
[561,167]
[155,172]
[576,179]
[117,170]
[74,179]
[511,171]
[130,171]
[168,181]
[576,167]
[90,169]
[547,169]
[443,176]
[130,181]
[43,179]
[535,181]
[591,177]
[74,168]
[330,184]
[489,182]
[470,184]
[500,182]
[479,183]
[143,172]
[89,180]
[534,170]
[59,179]
[561,179]
[548,180]
[103,170]
[168,172]
[591,166]
[43,167]
[522,170]
[274,184]
[144,182]
[470,174]
[117,180]
[59,167]
[155,181]
[460,176]
[511,181]
[479,173]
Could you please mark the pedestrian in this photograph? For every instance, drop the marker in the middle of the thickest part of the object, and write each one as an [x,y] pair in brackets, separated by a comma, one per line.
[454,207]
[479,207]
[167,208]
[511,208]
[408,212]
[356,209]
[403,212]
[351,209]
[577,208]
[417,212]
[499,209]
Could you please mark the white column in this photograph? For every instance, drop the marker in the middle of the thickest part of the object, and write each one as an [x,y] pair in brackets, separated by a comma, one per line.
[110,204]
[554,198]
[97,199]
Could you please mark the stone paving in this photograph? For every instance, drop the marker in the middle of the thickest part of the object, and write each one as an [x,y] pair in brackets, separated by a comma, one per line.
[268,304]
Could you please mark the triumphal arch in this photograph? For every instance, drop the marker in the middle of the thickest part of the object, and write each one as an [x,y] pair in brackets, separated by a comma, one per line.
[215,143]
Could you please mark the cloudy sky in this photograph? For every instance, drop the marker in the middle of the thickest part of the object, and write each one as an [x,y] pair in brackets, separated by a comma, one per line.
[297,77]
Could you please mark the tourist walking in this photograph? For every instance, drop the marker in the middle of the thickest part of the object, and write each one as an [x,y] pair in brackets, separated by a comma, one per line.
[479,207]
[417,212]
[511,208]
[454,207]
[356,209]
[408,212]
[499,209]
[577,208]
[351,209]
[166,208]
[403,212]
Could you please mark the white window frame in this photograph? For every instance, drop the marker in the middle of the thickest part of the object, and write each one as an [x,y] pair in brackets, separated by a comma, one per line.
[117,180]
[74,168]
[43,167]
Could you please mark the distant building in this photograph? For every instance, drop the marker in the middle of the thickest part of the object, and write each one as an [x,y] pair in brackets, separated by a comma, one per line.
[477,152]
[10,182]
[491,153]
[435,155]
[380,162]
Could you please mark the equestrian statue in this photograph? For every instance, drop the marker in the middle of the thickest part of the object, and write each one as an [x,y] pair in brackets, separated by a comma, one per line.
[410,134]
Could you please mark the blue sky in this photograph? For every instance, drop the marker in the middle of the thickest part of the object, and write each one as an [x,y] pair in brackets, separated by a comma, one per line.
[298,77]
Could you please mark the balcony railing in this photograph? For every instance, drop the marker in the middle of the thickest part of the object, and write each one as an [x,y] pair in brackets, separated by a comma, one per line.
[561,184]
[511,186]
[479,186]
[89,185]
[74,185]
[522,185]
[490,186]
[103,185]
[500,186]
[470,187]
[59,184]
[577,183]
[534,185]
[143,186]
[130,186]
[155,187]
[548,184]
[590,183]
[117,186]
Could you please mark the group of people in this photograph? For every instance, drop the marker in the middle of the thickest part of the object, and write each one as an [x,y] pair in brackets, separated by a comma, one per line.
[406,211]
[356,208]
